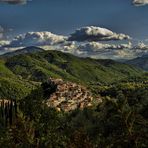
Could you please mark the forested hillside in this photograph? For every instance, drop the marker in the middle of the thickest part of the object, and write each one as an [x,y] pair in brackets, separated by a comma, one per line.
[89,103]
[24,71]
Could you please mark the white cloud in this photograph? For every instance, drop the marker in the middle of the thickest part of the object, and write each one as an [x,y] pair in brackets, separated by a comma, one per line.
[4,42]
[92,33]
[14,1]
[86,48]
[96,46]
[96,50]
[107,51]
[69,46]
[140,2]
[37,39]
[141,46]
[4,49]
[92,49]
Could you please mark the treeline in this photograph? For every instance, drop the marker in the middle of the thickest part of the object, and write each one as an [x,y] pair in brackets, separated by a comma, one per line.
[8,112]
[121,120]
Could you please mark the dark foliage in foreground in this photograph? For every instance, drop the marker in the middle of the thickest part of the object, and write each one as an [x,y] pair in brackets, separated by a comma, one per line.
[120,121]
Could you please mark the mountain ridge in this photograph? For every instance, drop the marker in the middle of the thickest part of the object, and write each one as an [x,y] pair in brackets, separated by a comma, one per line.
[57,64]
[24,72]
[29,49]
[140,62]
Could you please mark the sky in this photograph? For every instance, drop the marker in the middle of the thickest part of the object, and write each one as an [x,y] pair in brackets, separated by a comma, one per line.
[115,29]
[64,16]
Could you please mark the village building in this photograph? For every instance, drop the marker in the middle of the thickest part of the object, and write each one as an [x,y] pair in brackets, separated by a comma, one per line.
[69,96]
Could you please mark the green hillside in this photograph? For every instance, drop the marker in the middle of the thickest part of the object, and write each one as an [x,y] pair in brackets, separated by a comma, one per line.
[40,66]
[12,86]
[21,73]
[120,120]
[15,88]
[141,62]
[4,71]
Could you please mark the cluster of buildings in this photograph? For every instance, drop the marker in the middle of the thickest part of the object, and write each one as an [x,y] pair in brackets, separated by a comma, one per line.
[69,96]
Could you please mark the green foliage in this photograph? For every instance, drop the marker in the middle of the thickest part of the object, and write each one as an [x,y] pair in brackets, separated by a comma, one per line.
[22,73]
[4,71]
[121,120]
[12,88]
[8,111]
[39,66]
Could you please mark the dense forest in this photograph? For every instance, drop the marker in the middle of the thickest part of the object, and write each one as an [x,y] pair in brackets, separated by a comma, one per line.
[120,120]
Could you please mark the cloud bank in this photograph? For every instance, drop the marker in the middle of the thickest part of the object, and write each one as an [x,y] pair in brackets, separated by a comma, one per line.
[93,33]
[14,1]
[105,51]
[140,2]
[3,43]
[141,46]
[85,42]
[96,46]
[37,39]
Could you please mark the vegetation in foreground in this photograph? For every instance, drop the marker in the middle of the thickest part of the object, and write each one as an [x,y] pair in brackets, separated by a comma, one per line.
[121,120]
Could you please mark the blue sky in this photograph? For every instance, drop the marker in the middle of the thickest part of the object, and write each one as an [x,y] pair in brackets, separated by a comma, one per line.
[64,16]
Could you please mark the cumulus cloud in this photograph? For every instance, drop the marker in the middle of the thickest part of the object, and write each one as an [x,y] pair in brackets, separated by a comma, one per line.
[4,42]
[96,46]
[14,1]
[141,46]
[97,50]
[119,54]
[140,2]
[103,50]
[37,39]
[93,33]
[69,46]
[88,47]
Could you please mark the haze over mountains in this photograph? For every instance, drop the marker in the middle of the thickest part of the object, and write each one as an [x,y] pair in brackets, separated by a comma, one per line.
[95,42]
[89,41]
[141,62]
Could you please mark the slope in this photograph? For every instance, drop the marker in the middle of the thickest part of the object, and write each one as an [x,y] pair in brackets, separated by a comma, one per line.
[141,62]
[42,65]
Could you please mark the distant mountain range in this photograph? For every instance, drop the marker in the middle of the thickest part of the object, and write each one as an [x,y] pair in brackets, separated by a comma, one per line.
[38,66]
[140,62]
[30,49]
[21,71]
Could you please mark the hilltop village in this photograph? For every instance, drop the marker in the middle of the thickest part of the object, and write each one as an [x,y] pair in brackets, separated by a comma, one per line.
[69,96]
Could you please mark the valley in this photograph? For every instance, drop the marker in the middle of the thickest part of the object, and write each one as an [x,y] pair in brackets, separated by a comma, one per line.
[50,95]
